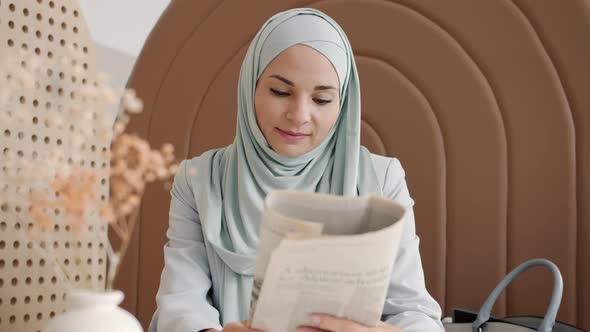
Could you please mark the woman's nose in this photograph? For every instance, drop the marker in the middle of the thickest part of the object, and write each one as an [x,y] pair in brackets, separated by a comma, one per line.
[299,112]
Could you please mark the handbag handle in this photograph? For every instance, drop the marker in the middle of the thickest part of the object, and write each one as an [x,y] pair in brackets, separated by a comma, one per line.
[549,320]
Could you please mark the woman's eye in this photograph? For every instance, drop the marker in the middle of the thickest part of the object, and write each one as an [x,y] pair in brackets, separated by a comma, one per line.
[322,101]
[278,92]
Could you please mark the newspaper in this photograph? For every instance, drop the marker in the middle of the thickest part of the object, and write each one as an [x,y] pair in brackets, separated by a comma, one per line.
[323,253]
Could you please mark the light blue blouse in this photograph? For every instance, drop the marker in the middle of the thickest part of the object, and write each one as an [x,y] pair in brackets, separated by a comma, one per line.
[190,284]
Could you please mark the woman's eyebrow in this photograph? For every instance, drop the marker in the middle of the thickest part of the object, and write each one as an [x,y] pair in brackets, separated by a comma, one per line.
[290,83]
[282,79]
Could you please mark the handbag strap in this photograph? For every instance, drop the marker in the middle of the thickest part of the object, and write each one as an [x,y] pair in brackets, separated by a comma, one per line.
[549,320]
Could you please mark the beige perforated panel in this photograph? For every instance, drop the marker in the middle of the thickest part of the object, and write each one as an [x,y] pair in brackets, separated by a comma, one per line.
[51,40]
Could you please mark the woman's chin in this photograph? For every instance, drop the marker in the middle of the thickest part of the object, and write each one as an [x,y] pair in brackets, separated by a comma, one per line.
[291,150]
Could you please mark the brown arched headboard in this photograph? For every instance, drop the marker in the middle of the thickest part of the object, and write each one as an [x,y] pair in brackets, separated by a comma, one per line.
[484,102]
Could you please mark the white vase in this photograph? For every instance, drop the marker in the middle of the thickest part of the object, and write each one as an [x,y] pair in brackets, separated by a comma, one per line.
[92,311]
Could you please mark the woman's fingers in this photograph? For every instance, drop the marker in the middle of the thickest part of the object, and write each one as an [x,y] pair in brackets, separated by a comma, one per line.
[323,322]
[238,327]
[387,328]
[335,324]
[308,329]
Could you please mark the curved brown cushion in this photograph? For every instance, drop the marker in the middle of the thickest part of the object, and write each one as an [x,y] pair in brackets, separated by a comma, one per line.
[482,101]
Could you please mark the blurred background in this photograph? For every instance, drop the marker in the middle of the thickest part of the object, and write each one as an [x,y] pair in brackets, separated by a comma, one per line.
[119,30]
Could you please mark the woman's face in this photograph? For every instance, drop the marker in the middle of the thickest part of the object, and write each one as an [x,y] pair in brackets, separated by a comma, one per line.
[297,100]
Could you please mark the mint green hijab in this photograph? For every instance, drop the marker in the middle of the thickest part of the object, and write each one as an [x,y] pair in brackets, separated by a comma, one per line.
[232,182]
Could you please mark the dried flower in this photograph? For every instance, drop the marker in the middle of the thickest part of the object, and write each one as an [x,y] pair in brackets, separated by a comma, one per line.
[134,164]
[131,102]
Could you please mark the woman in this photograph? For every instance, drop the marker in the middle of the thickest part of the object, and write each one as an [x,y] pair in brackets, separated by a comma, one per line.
[298,128]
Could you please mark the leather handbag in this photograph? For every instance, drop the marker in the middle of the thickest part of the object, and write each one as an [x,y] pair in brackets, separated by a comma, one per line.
[468,321]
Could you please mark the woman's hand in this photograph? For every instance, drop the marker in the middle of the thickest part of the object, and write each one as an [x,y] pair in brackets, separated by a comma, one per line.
[235,327]
[323,322]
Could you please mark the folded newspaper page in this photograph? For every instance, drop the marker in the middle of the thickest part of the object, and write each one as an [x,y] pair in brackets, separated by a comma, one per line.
[322,253]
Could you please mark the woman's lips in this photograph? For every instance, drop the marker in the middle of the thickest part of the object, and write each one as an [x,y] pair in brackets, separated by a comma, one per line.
[292,136]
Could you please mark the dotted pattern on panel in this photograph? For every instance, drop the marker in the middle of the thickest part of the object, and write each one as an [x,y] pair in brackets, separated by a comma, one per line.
[31,290]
